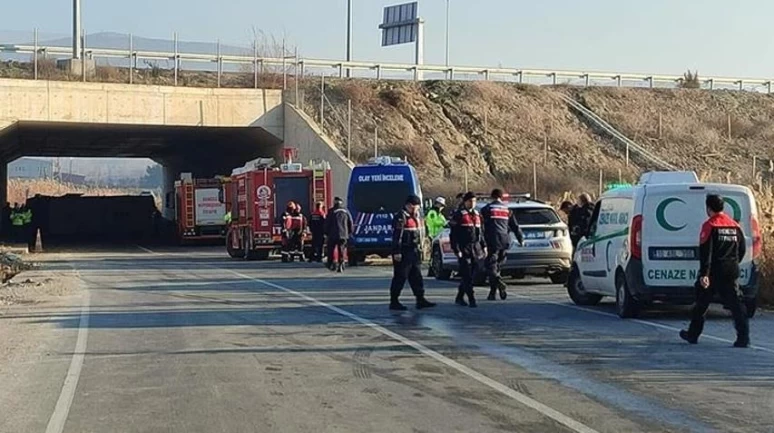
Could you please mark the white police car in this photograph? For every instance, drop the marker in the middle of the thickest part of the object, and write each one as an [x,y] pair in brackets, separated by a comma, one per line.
[546,251]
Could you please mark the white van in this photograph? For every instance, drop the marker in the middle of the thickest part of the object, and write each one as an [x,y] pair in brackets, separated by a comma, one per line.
[643,243]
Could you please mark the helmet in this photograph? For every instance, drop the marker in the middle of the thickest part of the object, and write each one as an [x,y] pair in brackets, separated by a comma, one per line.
[441,201]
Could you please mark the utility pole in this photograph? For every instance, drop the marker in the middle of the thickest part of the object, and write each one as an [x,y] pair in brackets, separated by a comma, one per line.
[349,35]
[447,32]
[76,29]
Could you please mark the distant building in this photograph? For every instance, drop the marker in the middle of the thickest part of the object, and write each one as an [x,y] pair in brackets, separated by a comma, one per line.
[30,168]
[74,179]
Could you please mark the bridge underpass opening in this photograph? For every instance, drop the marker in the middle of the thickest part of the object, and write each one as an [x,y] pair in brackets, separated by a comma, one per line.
[203,151]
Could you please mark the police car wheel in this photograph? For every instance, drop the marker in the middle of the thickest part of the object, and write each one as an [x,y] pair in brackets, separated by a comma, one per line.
[577,293]
[625,305]
[437,265]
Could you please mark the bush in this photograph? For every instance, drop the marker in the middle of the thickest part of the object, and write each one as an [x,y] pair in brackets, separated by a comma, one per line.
[690,80]
[766,295]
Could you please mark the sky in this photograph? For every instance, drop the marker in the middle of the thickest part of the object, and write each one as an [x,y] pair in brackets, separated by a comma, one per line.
[715,37]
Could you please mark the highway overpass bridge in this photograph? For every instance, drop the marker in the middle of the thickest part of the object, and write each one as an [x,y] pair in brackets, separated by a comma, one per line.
[200,130]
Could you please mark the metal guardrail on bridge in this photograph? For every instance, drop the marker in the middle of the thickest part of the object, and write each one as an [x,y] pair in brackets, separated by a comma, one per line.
[379,69]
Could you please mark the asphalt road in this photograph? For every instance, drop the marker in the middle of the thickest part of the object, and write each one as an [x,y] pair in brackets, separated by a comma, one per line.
[191,341]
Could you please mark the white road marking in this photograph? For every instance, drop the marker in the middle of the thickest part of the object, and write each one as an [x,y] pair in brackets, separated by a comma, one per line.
[615,316]
[58,419]
[485,380]
[547,411]
[148,251]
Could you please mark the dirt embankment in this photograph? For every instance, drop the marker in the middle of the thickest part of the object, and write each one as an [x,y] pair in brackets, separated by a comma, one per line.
[716,133]
[493,131]
[496,131]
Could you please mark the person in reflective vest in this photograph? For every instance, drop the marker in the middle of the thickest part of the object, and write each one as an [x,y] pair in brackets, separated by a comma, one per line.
[434,219]
[435,222]
[499,222]
[17,222]
[317,229]
[227,217]
[406,257]
[467,242]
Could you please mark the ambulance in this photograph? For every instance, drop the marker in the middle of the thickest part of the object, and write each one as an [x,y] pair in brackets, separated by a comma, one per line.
[642,246]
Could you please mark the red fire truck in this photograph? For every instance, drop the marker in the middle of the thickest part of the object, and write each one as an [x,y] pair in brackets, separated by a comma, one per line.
[257,195]
[198,209]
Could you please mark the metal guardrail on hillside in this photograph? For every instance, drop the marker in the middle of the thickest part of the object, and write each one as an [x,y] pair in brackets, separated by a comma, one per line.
[378,69]
[621,139]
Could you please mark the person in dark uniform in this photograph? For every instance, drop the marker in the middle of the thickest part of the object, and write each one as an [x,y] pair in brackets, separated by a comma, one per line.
[721,248]
[338,227]
[580,218]
[300,235]
[467,241]
[317,228]
[499,222]
[406,245]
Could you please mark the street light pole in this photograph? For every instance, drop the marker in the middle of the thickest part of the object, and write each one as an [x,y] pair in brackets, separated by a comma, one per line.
[349,35]
[76,29]
[447,32]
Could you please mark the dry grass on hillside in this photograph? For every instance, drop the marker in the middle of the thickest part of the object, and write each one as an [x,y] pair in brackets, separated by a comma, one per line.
[495,131]
[695,126]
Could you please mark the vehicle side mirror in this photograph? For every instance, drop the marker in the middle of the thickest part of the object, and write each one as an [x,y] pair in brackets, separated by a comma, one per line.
[221,196]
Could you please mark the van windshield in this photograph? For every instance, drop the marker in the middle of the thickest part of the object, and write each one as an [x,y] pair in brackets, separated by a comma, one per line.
[379,197]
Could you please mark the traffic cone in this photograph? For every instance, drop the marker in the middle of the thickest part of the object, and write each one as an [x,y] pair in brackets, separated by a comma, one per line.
[38,242]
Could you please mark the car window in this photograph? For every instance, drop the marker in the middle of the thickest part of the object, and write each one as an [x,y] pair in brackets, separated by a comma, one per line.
[535,216]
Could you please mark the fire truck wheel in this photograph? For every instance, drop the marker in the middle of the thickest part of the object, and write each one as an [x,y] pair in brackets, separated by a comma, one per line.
[232,252]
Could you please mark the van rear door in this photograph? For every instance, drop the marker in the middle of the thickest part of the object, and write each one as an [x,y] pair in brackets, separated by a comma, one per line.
[672,218]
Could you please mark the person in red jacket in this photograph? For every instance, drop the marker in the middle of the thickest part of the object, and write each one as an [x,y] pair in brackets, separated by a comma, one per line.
[292,231]
[721,248]
[406,257]
[467,242]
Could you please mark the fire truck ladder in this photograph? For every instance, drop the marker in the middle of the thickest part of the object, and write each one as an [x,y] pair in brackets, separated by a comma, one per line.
[188,190]
[319,185]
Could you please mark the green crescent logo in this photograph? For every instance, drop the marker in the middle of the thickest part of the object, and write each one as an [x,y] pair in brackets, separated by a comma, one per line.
[737,210]
[661,218]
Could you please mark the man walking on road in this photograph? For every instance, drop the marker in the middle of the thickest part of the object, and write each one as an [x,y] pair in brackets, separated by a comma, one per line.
[721,248]
[338,227]
[406,244]
[499,222]
[467,241]
[317,228]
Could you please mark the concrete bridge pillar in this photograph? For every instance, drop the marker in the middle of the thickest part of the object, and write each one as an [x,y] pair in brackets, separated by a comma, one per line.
[170,174]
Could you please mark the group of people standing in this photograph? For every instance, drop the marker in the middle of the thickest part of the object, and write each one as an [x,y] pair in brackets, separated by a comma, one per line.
[335,226]
[479,240]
